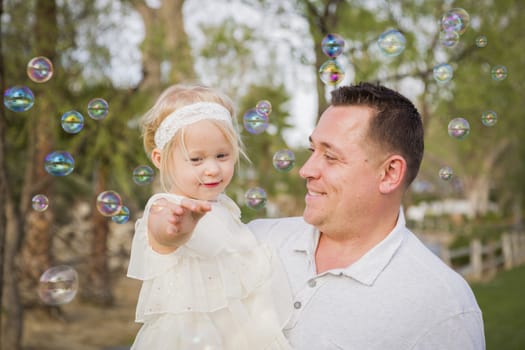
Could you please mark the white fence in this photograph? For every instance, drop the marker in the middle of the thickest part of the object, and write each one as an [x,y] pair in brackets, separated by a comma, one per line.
[485,260]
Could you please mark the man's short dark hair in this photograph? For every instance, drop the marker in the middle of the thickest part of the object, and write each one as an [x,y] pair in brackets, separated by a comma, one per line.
[397,125]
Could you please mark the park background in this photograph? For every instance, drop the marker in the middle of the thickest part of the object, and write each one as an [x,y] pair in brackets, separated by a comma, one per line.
[128,51]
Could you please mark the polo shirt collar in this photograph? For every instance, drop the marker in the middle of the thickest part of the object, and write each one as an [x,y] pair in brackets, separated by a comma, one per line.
[368,268]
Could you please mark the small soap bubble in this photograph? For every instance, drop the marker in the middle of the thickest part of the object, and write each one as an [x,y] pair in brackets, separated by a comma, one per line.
[264,107]
[446,173]
[443,73]
[332,45]
[58,285]
[489,118]
[143,175]
[18,98]
[122,216]
[72,122]
[283,160]
[255,198]
[40,69]
[40,202]
[254,122]
[59,163]
[481,41]
[98,108]
[109,203]
[448,39]
[331,72]
[455,20]
[498,73]
[391,42]
[459,128]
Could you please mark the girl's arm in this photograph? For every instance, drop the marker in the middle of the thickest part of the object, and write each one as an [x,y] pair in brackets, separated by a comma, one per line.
[170,225]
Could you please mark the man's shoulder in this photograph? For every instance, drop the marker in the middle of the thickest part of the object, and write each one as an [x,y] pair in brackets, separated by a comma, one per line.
[278,229]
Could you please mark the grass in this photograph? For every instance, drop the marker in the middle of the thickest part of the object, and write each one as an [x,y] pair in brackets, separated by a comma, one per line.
[502,301]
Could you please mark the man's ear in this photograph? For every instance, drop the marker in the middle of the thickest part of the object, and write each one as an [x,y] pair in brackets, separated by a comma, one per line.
[392,174]
[155,157]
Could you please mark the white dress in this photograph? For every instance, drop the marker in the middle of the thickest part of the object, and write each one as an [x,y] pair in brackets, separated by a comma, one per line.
[214,292]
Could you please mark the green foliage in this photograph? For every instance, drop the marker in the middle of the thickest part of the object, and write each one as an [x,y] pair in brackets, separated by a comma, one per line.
[502,304]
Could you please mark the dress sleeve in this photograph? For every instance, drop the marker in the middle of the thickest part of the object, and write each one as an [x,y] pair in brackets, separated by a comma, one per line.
[144,262]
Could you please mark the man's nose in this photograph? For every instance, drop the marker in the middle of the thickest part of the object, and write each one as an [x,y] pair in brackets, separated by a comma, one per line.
[310,168]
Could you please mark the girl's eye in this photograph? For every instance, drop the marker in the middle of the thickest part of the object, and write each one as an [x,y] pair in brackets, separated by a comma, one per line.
[195,159]
[222,155]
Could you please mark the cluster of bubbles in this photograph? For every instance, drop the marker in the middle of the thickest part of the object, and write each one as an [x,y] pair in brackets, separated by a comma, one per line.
[331,72]
[453,24]
[256,120]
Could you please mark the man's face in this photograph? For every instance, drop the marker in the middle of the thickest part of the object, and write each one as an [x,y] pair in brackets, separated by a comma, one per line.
[343,171]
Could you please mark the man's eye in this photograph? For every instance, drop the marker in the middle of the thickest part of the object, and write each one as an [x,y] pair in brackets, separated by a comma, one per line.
[329,157]
[311,149]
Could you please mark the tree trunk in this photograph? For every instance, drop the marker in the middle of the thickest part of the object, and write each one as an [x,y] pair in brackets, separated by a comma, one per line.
[165,44]
[36,251]
[478,189]
[98,288]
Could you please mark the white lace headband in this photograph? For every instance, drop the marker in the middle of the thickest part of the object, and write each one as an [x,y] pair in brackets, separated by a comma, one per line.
[188,115]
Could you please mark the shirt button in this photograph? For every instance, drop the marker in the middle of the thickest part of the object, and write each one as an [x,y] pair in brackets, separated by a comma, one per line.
[312,283]
[297,305]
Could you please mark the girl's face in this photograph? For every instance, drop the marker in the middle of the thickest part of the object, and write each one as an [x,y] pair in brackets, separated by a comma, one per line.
[207,167]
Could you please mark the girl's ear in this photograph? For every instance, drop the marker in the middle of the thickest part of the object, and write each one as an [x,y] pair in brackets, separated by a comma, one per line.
[155,157]
[393,174]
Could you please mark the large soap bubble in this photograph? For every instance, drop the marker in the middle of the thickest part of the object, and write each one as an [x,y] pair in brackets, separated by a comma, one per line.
[58,285]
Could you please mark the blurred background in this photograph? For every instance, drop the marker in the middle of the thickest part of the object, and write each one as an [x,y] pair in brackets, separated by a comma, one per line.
[78,75]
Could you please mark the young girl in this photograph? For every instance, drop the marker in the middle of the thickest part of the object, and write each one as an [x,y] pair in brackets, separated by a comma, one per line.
[209,289]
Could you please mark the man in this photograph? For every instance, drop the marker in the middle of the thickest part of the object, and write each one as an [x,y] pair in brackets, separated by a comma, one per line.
[360,278]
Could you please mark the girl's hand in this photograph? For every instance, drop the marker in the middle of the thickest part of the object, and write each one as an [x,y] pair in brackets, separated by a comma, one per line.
[170,225]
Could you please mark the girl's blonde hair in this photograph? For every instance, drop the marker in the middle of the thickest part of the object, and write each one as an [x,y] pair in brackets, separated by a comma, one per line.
[173,98]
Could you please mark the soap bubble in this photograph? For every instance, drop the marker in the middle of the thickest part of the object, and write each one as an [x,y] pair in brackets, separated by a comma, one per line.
[59,163]
[122,216]
[455,20]
[443,73]
[40,202]
[283,160]
[459,128]
[58,285]
[332,45]
[255,198]
[448,39]
[143,175]
[72,122]
[489,118]
[481,41]
[18,98]
[264,108]
[40,69]
[498,73]
[109,203]
[391,42]
[254,122]
[446,173]
[331,72]
[98,108]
